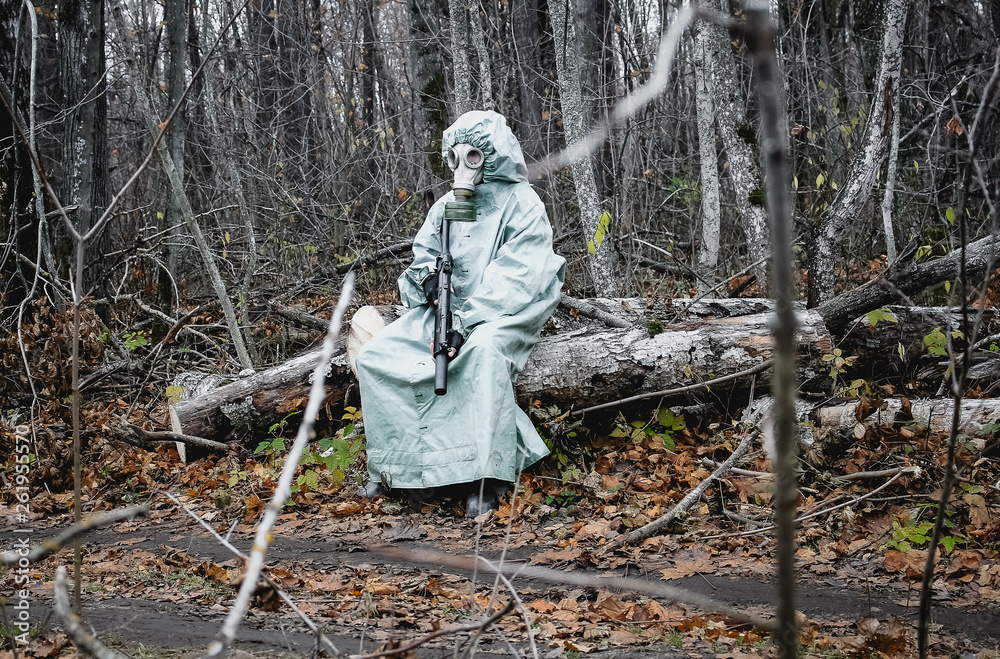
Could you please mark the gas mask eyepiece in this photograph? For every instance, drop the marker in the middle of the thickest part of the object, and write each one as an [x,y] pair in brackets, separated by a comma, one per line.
[466,161]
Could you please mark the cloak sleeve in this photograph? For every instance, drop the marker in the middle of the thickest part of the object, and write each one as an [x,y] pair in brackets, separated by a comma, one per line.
[426,247]
[525,270]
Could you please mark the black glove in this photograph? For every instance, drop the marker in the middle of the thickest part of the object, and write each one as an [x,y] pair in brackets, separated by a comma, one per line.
[430,286]
[455,341]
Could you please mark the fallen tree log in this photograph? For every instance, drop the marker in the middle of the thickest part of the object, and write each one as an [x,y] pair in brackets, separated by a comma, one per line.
[977,414]
[584,364]
[904,278]
[579,365]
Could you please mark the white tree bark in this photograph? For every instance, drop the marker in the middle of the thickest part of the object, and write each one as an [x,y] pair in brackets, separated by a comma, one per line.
[711,212]
[460,56]
[936,413]
[597,226]
[739,141]
[485,68]
[888,199]
[861,177]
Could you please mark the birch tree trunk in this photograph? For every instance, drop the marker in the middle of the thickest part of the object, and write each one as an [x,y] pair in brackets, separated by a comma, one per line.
[888,198]
[460,56]
[485,67]
[604,262]
[740,142]
[864,168]
[711,213]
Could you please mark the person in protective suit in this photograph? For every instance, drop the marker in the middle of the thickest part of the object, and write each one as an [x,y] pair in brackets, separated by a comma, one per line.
[505,282]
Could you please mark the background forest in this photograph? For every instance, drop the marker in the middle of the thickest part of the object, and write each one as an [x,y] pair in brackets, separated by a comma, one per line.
[310,136]
[218,167]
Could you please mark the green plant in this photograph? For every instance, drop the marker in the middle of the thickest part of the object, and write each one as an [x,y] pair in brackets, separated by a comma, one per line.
[838,362]
[937,343]
[917,534]
[905,538]
[857,388]
[134,340]
[675,639]
[660,429]
[875,316]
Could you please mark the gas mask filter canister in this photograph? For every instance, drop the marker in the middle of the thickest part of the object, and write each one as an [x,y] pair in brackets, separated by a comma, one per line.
[466,161]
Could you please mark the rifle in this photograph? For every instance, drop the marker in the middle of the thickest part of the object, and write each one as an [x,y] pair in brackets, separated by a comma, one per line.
[460,210]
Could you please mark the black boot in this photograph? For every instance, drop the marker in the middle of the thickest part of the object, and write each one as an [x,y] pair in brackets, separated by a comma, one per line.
[477,504]
[372,490]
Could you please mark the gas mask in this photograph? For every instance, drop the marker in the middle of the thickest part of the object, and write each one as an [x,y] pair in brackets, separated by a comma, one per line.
[467,162]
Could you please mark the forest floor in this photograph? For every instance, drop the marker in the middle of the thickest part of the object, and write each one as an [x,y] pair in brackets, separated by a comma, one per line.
[161,585]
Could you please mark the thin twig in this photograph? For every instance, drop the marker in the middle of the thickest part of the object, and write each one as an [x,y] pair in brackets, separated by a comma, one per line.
[668,518]
[514,596]
[649,588]
[53,545]
[753,532]
[145,438]
[763,366]
[412,645]
[271,582]
[283,490]
[73,624]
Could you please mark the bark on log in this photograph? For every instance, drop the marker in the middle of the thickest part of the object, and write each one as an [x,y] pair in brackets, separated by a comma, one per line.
[934,412]
[574,367]
[905,278]
[877,348]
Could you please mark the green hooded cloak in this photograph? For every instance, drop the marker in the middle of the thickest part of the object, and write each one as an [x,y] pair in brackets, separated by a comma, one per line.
[506,281]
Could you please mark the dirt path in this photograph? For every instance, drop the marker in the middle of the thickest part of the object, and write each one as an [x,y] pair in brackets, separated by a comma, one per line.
[165,582]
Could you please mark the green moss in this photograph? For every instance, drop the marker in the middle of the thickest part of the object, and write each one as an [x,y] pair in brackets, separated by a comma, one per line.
[757,197]
[654,327]
[747,133]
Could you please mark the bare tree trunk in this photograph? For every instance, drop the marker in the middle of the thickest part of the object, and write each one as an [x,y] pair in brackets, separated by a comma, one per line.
[594,28]
[526,42]
[739,139]
[860,180]
[583,367]
[597,226]
[711,212]
[175,17]
[236,187]
[485,66]
[427,96]
[84,149]
[888,197]
[461,67]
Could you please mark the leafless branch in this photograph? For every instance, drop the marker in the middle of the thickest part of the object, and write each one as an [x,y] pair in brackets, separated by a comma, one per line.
[224,639]
[649,588]
[53,545]
[74,625]
[668,518]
